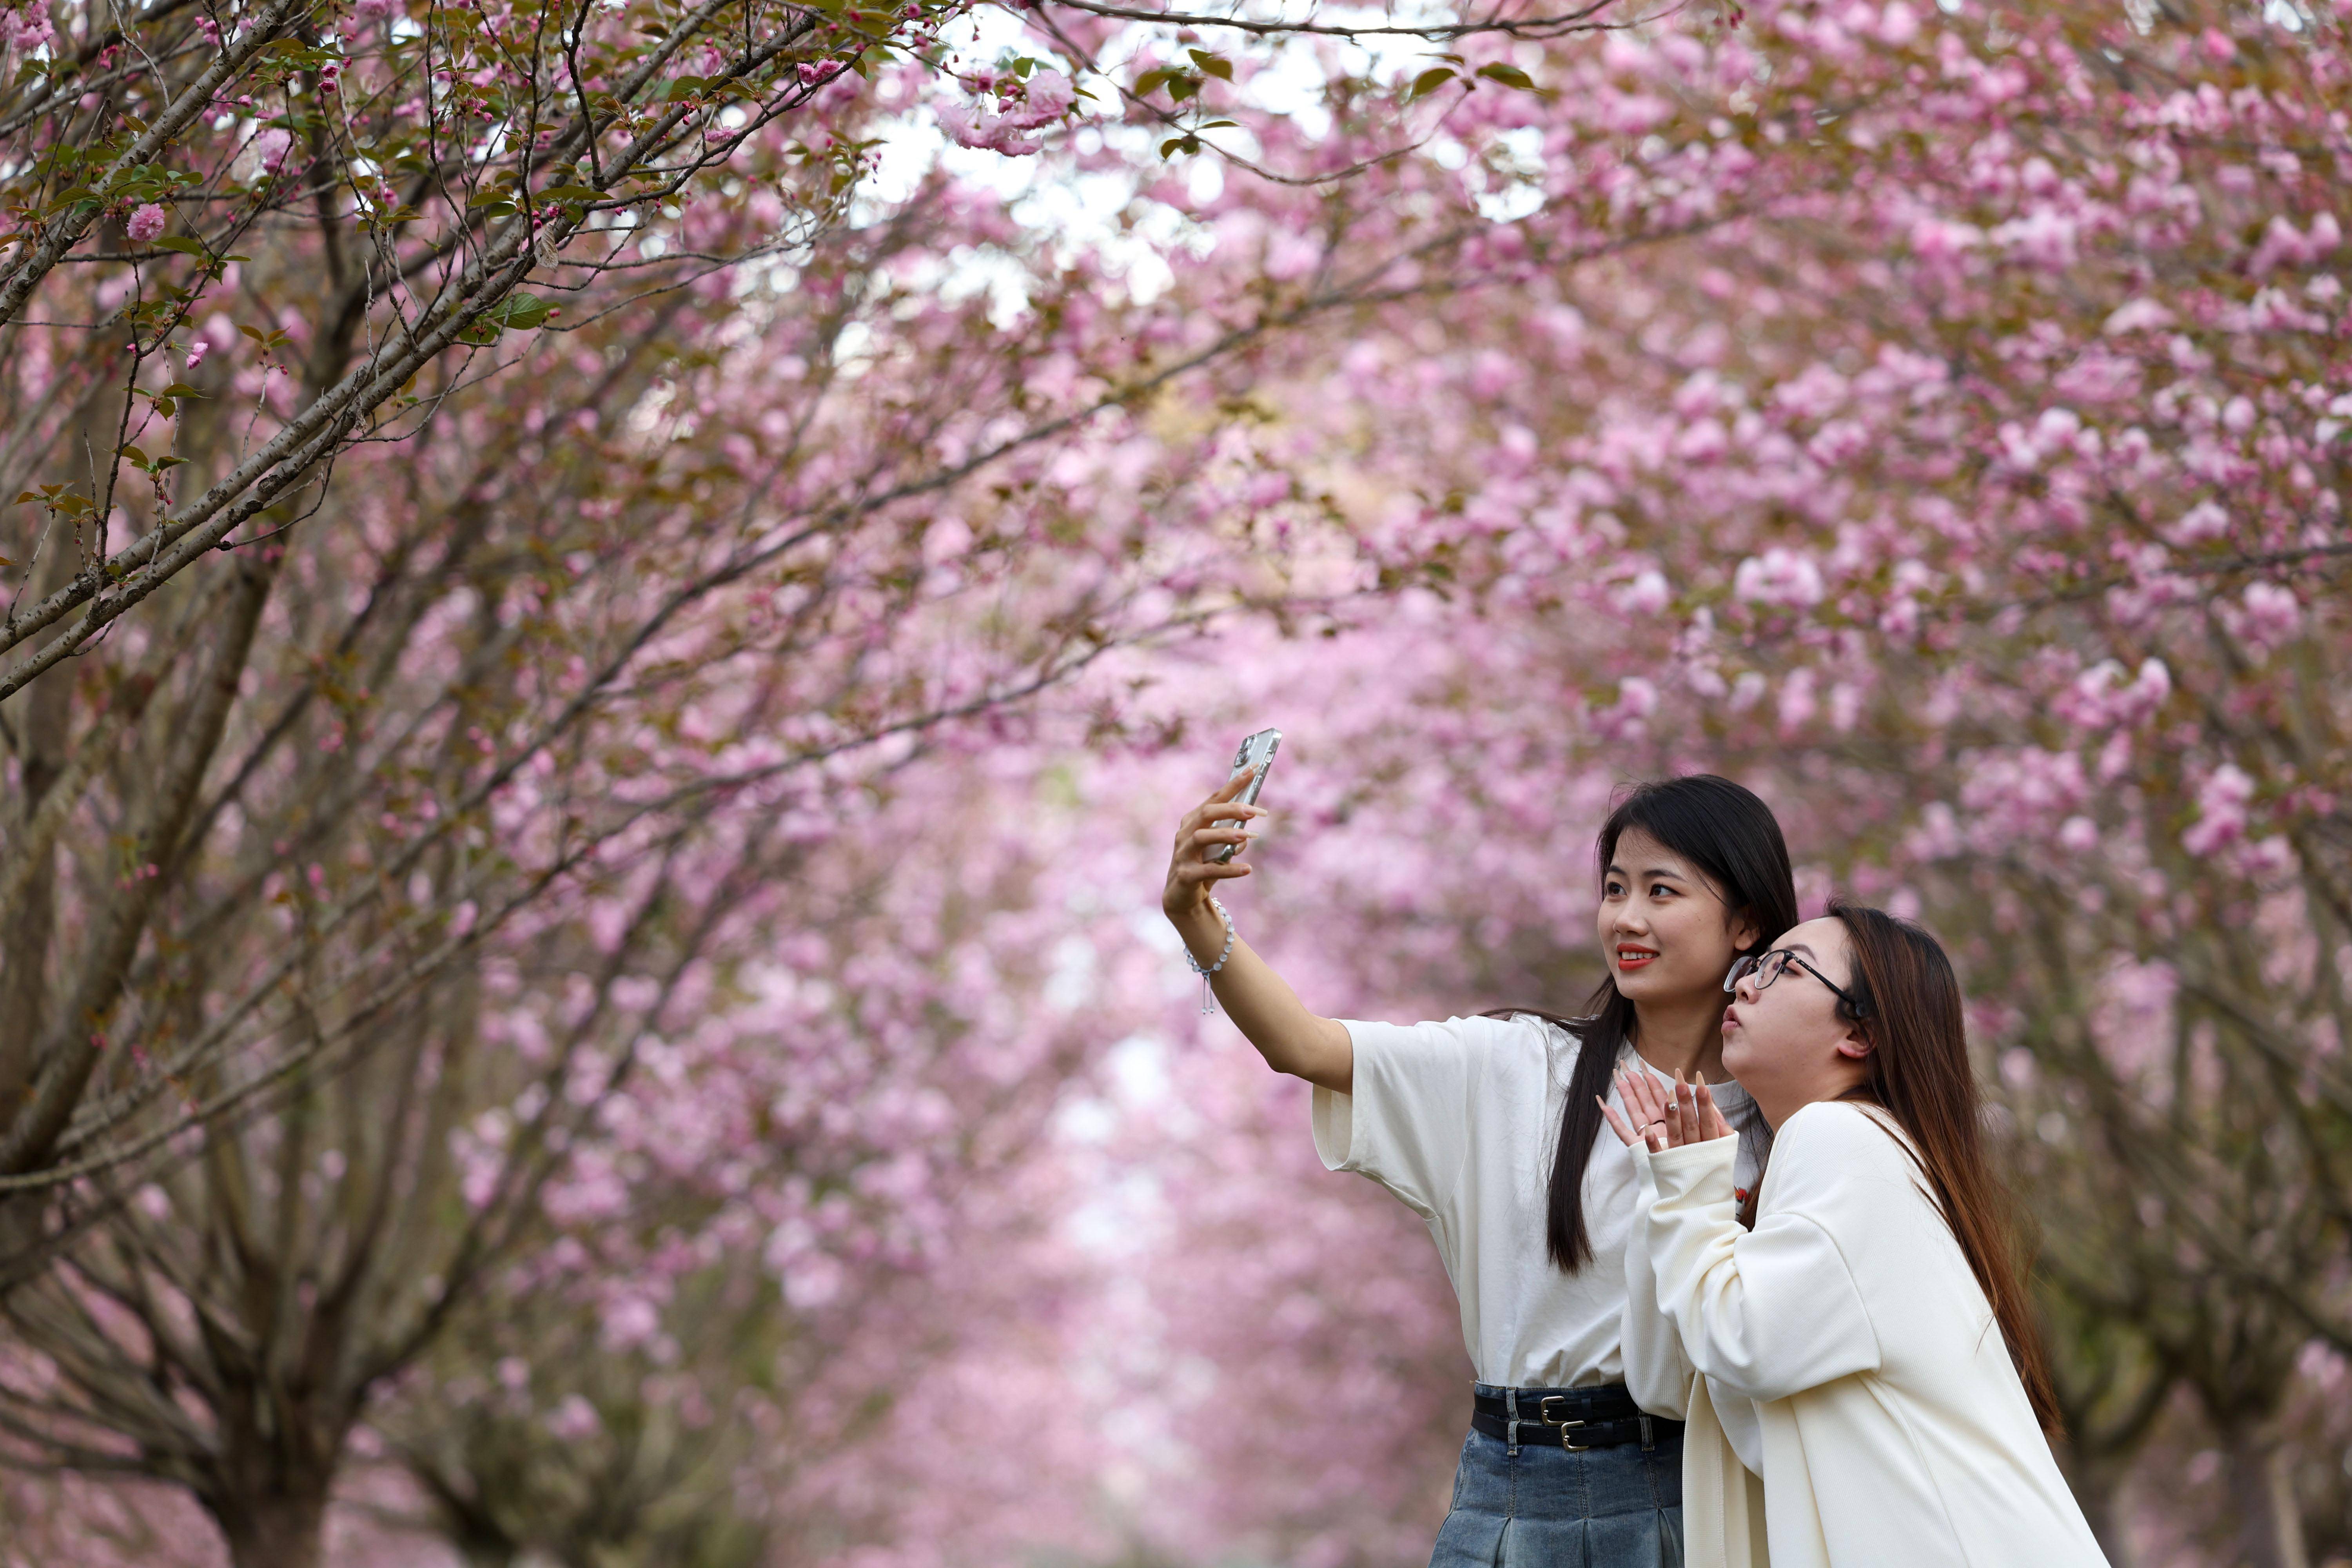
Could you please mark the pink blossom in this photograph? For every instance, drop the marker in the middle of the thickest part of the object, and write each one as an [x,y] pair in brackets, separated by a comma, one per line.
[1798,702]
[2270,616]
[270,148]
[1044,98]
[1289,257]
[1647,594]
[2205,520]
[574,1420]
[145,223]
[27,27]
[1940,239]
[2139,315]
[630,1322]
[2221,803]
[1779,576]
[1050,95]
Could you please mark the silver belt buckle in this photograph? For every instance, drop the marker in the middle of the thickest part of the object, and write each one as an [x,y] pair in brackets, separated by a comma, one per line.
[1543,1413]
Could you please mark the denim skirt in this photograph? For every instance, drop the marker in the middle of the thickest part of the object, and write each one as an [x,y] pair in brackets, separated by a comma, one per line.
[1543,1506]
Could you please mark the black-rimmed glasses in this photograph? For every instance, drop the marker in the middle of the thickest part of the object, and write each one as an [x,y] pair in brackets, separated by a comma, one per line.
[1769,966]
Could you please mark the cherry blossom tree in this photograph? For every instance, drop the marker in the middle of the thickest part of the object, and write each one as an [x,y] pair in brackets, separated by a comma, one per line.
[791,1227]
[1932,418]
[512,717]
[551,715]
[1980,502]
[395,180]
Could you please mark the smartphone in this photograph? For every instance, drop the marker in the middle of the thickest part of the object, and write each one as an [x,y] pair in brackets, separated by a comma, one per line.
[1255,756]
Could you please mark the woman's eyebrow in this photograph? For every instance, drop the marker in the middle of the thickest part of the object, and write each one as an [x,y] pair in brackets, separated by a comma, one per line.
[1799,947]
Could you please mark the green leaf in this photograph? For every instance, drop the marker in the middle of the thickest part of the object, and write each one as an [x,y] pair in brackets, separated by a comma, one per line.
[181,389]
[1429,81]
[183,244]
[571,193]
[1210,64]
[520,312]
[1151,81]
[1182,88]
[133,453]
[1509,75]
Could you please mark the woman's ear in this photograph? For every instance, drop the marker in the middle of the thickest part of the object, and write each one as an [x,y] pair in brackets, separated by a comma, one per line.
[1745,931]
[1857,1046]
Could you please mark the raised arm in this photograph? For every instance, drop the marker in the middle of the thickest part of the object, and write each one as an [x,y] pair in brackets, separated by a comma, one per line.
[1657,1375]
[1260,1002]
[1765,1313]
[1652,1119]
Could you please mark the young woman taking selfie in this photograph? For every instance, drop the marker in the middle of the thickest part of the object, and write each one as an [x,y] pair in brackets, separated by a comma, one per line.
[1867,1349]
[1490,1128]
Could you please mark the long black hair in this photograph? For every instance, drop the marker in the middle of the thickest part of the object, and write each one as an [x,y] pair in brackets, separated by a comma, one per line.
[1732,837]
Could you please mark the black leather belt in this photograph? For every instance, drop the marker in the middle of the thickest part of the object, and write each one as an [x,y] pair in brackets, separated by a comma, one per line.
[1571,1418]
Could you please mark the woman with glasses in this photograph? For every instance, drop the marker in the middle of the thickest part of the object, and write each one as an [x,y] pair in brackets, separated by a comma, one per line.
[1490,1128]
[1866,1349]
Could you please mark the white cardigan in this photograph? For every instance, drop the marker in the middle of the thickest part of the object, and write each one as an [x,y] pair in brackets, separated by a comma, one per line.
[1844,1352]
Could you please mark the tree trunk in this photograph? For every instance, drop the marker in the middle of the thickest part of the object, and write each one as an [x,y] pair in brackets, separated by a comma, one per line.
[277,1530]
[27,921]
[2262,1500]
[2098,1487]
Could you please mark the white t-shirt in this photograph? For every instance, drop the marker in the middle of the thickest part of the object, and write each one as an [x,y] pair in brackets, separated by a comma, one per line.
[1460,1120]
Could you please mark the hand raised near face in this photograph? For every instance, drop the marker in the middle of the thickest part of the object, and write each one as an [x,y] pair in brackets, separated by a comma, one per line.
[1659,1119]
[1702,1121]
[1644,1120]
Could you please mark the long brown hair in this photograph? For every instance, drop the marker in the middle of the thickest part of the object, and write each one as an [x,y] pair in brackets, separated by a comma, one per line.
[1908,1007]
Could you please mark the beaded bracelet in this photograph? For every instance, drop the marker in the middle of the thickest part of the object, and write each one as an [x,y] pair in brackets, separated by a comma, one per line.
[1208,997]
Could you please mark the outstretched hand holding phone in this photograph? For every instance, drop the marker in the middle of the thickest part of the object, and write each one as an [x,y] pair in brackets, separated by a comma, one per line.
[1216,824]
[1261,1004]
